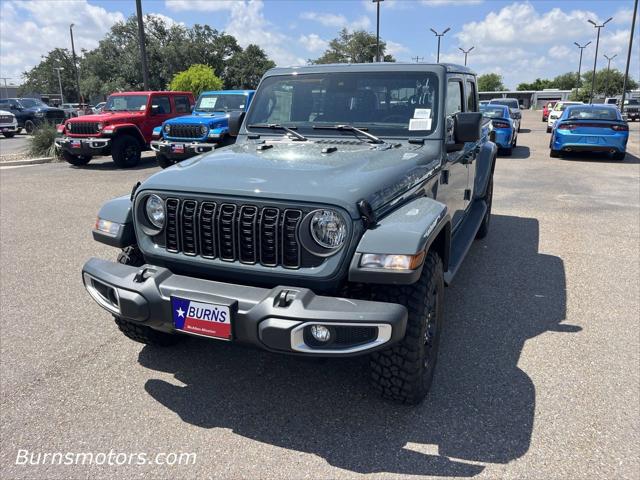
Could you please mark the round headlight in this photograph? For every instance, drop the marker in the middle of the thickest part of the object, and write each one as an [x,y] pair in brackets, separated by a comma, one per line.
[155,211]
[203,129]
[167,128]
[100,125]
[328,229]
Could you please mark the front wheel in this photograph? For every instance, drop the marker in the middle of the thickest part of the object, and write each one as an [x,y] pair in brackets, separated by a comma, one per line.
[126,151]
[163,160]
[9,134]
[144,334]
[76,160]
[619,155]
[29,127]
[404,372]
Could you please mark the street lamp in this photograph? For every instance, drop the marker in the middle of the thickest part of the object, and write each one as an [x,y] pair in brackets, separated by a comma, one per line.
[606,88]
[377,2]
[141,41]
[466,52]
[626,70]
[75,64]
[595,58]
[581,47]
[439,35]
[60,83]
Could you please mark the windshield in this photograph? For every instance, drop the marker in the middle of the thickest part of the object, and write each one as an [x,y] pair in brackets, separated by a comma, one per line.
[121,103]
[382,103]
[32,102]
[586,113]
[493,112]
[563,106]
[221,103]
[507,103]
[631,102]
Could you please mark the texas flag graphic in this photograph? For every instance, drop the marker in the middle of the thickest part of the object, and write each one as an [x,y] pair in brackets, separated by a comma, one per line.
[201,318]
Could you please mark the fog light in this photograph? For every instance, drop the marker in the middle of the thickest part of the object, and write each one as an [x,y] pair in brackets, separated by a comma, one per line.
[320,333]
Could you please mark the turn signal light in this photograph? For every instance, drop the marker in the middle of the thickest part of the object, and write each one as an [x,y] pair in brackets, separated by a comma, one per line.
[392,262]
[620,128]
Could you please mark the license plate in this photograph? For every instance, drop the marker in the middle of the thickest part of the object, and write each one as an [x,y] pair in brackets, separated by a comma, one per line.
[75,144]
[178,148]
[207,319]
[593,140]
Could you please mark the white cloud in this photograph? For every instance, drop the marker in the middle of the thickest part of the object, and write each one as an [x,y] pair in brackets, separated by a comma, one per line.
[29,29]
[395,48]
[559,52]
[313,42]
[337,21]
[200,5]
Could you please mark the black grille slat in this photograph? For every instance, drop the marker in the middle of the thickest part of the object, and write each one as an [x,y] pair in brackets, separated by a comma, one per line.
[269,233]
[83,128]
[226,223]
[188,227]
[207,232]
[247,234]
[290,243]
[172,225]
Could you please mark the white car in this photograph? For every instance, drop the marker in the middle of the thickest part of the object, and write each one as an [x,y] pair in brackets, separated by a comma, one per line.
[556,113]
[8,124]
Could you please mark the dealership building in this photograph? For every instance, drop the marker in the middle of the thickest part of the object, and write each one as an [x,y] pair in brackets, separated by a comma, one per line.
[537,98]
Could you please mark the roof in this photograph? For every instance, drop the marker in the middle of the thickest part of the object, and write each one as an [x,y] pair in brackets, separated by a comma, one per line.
[593,105]
[228,92]
[368,67]
[149,92]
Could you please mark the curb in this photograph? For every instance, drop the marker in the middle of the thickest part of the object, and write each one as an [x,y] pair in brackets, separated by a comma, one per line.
[33,161]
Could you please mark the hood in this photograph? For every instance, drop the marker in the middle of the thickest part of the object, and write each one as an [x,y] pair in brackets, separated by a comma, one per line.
[201,119]
[43,109]
[110,117]
[300,172]
[4,113]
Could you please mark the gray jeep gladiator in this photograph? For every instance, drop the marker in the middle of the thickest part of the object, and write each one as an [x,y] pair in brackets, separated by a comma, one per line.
[330,228]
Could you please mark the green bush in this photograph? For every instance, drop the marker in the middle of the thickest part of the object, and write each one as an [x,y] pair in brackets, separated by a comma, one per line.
[196,79]
[41,142]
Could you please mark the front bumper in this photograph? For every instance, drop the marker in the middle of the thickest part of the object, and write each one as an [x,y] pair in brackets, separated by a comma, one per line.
[83,146]
[181,150]
[9,127]
[635,115]
[273,319]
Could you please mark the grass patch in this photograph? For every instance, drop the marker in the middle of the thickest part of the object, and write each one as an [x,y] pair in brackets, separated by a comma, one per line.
[41,143]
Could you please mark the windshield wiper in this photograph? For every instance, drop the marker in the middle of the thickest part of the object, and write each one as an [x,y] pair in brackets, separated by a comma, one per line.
[277,126]
[349,128]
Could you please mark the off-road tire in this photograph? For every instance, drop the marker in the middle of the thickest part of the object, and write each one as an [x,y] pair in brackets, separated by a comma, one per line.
[131,256]
[144,334]
[126,151]
[163,160]
[404,372]
[548,129]
[76,160]
[486,220]
[9,134]
[619,155]
[29,127]
[554,153]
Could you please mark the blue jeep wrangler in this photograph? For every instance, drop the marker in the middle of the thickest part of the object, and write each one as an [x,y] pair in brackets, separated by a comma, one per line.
[207,128]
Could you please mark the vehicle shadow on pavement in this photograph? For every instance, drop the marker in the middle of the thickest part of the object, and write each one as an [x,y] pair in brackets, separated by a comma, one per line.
[106,163]
[598,157]
[521,152]
[481,406]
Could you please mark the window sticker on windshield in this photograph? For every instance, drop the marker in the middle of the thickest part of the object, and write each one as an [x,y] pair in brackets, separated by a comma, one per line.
[208,102]
[142,107]
[420,124]
[422,113]
[241,106]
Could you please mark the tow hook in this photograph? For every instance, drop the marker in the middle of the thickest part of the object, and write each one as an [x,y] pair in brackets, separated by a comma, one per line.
[284,298]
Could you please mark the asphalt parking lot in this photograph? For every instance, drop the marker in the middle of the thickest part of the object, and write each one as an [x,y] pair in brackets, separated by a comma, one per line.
[537,377]
[17,144]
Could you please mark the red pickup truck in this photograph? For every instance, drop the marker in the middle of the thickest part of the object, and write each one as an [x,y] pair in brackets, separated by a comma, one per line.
[123,129]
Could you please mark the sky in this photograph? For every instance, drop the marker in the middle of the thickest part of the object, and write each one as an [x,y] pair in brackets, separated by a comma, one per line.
[520,40]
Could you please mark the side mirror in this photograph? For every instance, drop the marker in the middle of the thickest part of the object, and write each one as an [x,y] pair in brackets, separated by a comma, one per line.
[235,122]
[467,126]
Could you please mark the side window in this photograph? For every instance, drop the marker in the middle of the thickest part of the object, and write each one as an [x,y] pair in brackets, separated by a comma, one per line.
[454,97]
[182,104]
[471,97]
[163,105]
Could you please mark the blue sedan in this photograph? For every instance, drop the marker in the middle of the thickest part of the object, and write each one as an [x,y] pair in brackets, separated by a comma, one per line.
[505,131]
[590,128]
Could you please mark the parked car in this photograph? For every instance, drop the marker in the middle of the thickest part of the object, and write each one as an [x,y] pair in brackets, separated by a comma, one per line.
[557,111]
[98,108]
[632,109]
[70,109]
[612,101]
[8,124]
[123,129]
[329,229]
[505,134]
[590,128]
[484,102]
[546,109]
[32,112]
[514,106]
[184,137]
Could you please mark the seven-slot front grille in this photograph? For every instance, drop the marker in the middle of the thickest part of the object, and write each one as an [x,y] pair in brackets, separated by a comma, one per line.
[83,128]
[234,232]
[184,130]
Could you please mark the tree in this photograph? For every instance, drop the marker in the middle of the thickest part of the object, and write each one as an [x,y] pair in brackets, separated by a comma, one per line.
[490,82]
[353,47]
[566,81]
[538,84]
[245,69]
[607,84]
[43,78]
[197,78]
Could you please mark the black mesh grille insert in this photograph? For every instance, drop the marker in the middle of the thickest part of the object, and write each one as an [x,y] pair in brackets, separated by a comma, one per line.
[188,227]
[269,236]
[172,225]
[226,231]
[247,233]
[207,232]
[290,244]
[184,130]
[83,128]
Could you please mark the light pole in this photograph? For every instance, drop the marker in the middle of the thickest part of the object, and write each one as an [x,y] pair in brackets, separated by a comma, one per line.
[75,64]
[606,88]
[466,52]
[595,58]
[60,83]
[6,90]
[581,47]
[626,71]
[417,58]
[143,49]
[377,2]
[439,35]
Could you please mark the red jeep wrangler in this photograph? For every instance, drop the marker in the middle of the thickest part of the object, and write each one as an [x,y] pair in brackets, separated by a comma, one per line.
[123,129]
